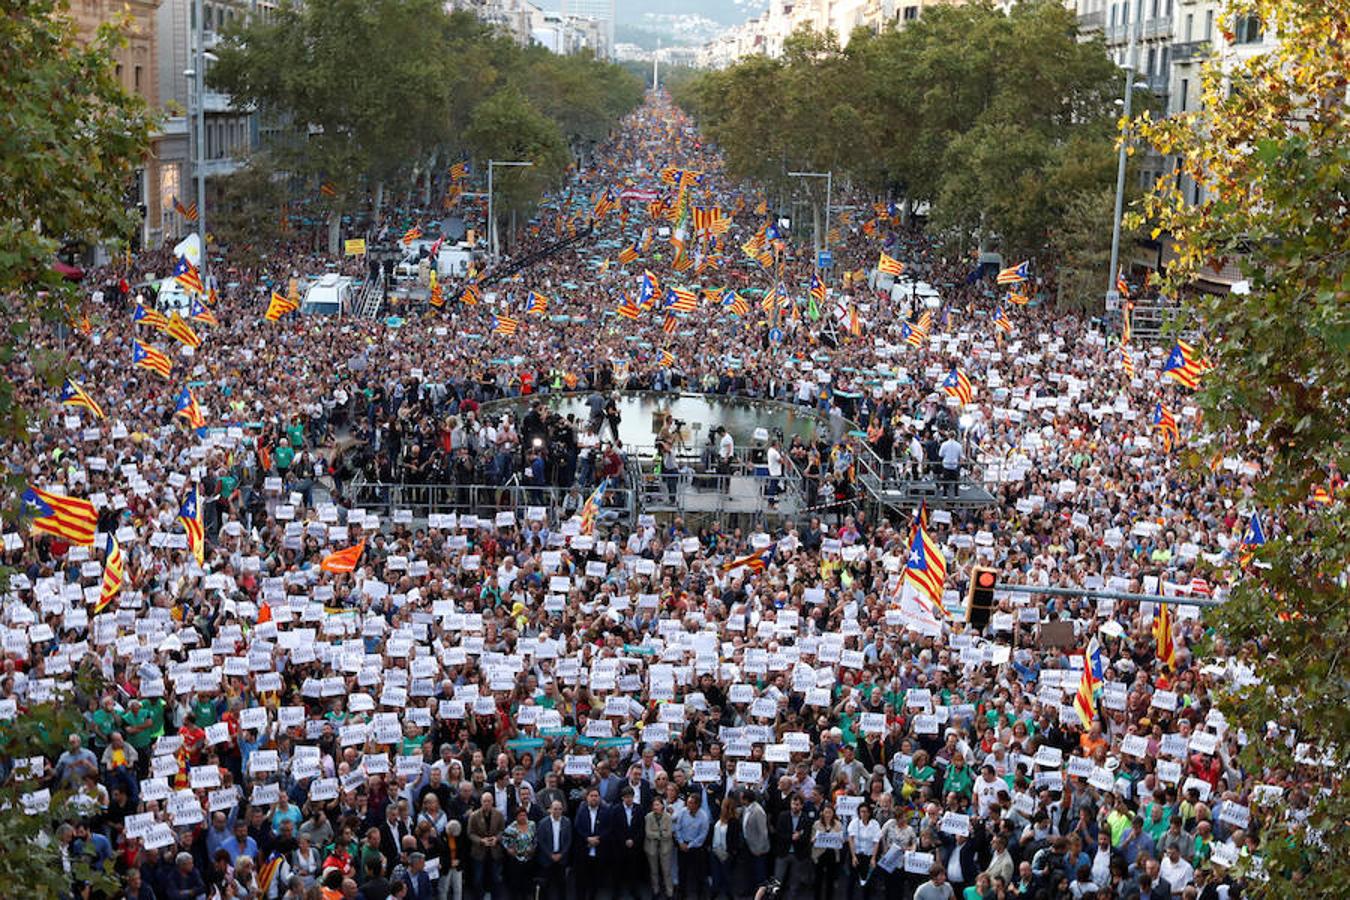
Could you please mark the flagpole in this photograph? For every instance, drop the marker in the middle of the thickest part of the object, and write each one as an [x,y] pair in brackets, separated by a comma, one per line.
[201,138]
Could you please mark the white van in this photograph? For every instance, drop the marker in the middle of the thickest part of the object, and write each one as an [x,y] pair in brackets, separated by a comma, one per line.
[331,295]
[172,297]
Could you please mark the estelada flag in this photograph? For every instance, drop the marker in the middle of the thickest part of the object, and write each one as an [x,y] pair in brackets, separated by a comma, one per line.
[343,560]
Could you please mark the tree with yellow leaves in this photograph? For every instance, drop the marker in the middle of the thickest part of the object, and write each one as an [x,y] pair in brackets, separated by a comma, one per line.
[1269,148]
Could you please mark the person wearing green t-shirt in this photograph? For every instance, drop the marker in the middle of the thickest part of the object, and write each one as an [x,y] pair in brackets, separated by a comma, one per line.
[960,779]
[204,709]
[138,725]
[295,433]
[283,456]
[102,723]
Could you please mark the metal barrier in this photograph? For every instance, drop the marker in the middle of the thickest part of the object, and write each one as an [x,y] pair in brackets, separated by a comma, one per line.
[423,500]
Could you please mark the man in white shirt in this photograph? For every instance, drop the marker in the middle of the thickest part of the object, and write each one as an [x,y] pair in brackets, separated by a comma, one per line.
[1176,871]
[726,449]
[774,460]
[950,454]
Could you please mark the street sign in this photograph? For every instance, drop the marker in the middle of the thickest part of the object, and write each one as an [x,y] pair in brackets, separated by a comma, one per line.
[825,260]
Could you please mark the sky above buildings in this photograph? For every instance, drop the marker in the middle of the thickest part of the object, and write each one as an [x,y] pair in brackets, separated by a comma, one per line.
[675,22]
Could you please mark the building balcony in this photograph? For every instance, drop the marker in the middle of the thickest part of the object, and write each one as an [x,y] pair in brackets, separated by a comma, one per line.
[1190,51]
[1093,21]
[1158,27]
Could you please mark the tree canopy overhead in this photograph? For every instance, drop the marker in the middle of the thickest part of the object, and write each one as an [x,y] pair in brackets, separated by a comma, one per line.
[383,92]
[1269,147]
[1000,121]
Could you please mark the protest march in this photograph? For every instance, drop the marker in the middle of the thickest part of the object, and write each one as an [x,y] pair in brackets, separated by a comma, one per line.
[298,677]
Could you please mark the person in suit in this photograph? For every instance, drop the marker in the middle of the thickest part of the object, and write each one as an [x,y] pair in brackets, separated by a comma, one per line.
[419,883]
[553,838]
[626,827]
[658,842]
[590,827]
[392,831]
[792,835]
[642,789]
[486,825]
[753,866]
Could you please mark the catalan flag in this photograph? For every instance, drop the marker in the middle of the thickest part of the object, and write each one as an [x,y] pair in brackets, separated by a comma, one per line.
[343,561]
[628,309]
[681,300]
[1166,424]
[1017,298]
[1126,361]
[926,567]
[773,299]
[1002,322]
[1085,700]
[889,265]
[817,288]
[190,515]
[1162,633]
[437,297]
[854,321]
[267,873]
[186,274]
[471,295]
[711,221]
[755,562]
[1321,496]
[604,204]
[278,306]
[328,189]
[411,235]
[1121,287]
[538,304]
[670,323]
[629,254]
[181,331]
[590,510]
[735,303]
[74,395]
[188,408]
[460,170]
[199,313]
[1254,536]
[957,384]
[1013,274]
[667,358]
[152,317]
[143,356]
[1185,365]
[70,518]
[647,290]
[504,325]
[188,212]
[114,571]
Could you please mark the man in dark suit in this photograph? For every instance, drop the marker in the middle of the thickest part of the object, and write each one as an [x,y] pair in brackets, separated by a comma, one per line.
[591,828]
[792,840]
[553,837]
[419,883]
[642,790]
[392,831]
[626,835]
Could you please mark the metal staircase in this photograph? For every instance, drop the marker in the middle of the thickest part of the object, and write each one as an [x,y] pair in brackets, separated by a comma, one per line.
[371,298]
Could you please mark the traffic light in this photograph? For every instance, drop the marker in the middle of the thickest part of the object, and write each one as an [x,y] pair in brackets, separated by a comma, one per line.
[980,596]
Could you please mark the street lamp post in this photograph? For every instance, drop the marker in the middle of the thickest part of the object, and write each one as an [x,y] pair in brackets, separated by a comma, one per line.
[200,73]
[492,220]
[829,191]
[1112,293]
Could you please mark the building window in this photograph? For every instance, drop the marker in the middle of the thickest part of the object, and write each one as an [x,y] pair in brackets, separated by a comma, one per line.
[1190,27]
[1209,25]
[1152,61]
[1113,15]
[1247,30]
[1185,91]
[137,76]
[911,13]
[1169,9]
[1155,9]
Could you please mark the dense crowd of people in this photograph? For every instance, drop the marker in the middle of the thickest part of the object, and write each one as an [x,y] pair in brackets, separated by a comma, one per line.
[526,704]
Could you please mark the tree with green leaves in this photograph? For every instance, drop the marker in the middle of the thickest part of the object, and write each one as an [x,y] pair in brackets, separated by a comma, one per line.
[367,85]
[1269,147]
[73,138]
[999,121]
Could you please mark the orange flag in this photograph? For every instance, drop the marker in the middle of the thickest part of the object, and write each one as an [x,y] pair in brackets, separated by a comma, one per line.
[343,560]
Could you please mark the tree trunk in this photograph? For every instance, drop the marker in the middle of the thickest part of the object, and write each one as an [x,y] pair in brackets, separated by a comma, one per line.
[426,186]
[335,232]
[379,202]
